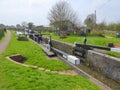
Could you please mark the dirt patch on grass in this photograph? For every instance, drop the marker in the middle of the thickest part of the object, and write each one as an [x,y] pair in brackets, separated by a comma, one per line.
[18,58]
[69,72]
[52,58]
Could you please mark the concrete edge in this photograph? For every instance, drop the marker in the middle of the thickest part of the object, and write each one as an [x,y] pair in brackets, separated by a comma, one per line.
[105,55]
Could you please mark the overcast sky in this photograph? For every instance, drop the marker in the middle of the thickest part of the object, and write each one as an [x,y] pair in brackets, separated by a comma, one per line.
[14,12]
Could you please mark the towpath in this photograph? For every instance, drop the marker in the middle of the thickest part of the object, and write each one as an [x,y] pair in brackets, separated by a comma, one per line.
[4,43]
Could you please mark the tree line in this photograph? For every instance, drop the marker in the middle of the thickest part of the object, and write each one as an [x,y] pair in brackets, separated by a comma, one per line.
[111,26]
[63,16]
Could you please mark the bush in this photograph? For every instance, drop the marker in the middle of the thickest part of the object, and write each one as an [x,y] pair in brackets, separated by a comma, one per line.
[1,32]
[63,34]
[22,38]
[97,33]
[110,33]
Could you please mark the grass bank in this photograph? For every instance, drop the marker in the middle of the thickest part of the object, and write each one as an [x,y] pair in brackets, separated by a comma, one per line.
[91,40]
[33,54]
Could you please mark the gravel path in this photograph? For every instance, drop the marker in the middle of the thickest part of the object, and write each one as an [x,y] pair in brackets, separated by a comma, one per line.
[5,42]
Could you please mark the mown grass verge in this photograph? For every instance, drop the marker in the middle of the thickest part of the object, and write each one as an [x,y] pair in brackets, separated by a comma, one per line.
[16,77]
[91,40]
[34,55]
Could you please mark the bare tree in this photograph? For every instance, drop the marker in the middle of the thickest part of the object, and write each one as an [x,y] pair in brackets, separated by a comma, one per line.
[90,21]
[62,16]
[19,28]
[24,24]
[30,25]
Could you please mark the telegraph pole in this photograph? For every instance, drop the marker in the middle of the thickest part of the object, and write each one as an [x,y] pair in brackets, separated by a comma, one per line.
[95,20]
[95,16]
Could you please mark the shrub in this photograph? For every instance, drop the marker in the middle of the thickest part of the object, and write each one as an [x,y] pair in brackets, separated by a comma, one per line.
[1,32]
[110,33]
[63,34]
[22,38]
[97,33]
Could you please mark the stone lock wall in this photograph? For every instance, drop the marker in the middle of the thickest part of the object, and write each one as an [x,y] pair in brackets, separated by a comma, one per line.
[65,47]
[107,65]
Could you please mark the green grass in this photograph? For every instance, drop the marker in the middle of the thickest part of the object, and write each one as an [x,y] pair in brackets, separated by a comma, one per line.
[91,40]
[34,55]
[115,54]
[17,77]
